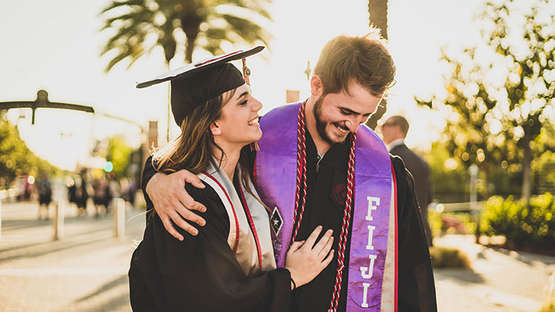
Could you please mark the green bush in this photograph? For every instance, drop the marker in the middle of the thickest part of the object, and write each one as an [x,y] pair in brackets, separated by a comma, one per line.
[434,218]
[525,226]
[443,257]
[548,307]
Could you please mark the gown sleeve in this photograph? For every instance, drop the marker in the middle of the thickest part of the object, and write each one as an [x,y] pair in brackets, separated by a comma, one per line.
[148,173]
[416,290]
[200,273]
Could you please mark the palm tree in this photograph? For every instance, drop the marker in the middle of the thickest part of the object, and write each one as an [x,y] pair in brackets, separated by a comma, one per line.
[142,25]
[378,19]
[139,26]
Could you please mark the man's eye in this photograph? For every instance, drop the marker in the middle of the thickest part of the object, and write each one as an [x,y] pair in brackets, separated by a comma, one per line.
[244,103]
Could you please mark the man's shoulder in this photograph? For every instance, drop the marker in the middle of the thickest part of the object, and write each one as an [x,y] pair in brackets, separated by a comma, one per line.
[397,161]
[402,174]
[405,152]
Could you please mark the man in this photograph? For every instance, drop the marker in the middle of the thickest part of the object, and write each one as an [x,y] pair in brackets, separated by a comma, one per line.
[316,166]
[394,132]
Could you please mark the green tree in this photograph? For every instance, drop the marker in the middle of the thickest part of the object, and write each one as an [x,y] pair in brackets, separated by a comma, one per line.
[378,18]
[493,124]
[530,85]
[15,157]
[139,26]
[473,130]
[119,153]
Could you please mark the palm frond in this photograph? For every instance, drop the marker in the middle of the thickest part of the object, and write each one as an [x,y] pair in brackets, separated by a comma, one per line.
[124,53]
[259,7]
[132,21]
[128,3]
[249,31]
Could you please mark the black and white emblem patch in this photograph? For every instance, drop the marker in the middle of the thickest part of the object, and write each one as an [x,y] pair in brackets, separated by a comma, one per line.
[276,221]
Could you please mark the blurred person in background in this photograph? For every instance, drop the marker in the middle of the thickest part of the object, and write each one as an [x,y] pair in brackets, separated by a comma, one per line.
[394,131]
[102,196]
[44,189]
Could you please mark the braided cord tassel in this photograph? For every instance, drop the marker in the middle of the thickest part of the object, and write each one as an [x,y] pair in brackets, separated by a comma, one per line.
[345,227]
[301,171]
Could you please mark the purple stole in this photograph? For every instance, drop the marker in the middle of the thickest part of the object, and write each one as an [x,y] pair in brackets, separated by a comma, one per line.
[275,171]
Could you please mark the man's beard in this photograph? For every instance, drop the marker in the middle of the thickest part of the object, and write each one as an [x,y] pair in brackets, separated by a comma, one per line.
[320,124]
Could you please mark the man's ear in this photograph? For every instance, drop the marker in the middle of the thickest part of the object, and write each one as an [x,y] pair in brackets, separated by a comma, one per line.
[215,129]
[316,86]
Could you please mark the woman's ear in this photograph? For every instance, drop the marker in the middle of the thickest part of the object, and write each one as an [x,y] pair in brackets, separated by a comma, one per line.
[215,129]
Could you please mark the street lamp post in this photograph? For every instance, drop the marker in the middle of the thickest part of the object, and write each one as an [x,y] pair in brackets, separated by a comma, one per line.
[42,102]
[473,170]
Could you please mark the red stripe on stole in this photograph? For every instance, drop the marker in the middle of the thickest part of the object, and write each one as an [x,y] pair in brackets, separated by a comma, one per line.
[253,228]
[395,303]
[234,214]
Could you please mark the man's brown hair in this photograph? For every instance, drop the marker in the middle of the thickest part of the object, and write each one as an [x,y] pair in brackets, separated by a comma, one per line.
[399,121]
[364,59]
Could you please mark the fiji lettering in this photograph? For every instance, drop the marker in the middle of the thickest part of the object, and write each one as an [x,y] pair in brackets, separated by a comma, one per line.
[367,271]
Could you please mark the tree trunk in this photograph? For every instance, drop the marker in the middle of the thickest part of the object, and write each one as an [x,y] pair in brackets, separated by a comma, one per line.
[526,172]
[189,49]
[378,15]
[378,18]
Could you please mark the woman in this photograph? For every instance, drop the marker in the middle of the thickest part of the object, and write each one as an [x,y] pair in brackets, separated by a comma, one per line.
[230,265]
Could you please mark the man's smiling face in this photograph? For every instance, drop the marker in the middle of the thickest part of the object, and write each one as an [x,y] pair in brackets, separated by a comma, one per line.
[338,114]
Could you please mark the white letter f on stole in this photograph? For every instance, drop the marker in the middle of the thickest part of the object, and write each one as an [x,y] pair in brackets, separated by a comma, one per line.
[373,203]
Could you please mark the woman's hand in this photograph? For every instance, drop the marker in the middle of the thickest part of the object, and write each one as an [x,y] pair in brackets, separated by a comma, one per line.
[306,259]
[172,202]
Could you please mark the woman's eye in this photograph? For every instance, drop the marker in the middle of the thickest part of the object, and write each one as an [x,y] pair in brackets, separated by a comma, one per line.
[243,103]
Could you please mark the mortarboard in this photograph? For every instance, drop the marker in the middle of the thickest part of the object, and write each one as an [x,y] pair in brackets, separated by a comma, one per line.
[194,84]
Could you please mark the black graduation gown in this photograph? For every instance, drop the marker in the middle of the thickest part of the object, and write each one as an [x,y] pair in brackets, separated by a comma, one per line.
[200,273]
[325,206]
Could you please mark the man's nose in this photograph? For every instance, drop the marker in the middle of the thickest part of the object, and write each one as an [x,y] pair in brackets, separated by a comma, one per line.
[354,122]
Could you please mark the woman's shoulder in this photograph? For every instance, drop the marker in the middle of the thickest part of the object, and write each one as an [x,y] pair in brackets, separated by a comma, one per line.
[215,209]
[207,193]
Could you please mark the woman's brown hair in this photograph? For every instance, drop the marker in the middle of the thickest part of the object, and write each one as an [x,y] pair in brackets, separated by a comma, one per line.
[192,150]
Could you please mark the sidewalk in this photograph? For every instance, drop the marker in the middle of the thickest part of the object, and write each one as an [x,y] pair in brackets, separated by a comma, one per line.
[87,269]
[500,280]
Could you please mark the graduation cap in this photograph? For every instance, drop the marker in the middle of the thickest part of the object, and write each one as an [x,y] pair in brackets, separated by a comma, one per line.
[194,84]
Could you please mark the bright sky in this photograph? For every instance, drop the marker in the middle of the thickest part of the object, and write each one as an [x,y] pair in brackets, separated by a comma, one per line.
[55,45]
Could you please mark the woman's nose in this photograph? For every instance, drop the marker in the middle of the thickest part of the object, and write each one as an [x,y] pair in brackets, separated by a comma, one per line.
[257,105]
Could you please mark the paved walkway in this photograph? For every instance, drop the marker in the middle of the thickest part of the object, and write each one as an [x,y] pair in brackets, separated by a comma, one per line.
[87,269]
[500,280]
[84,271]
